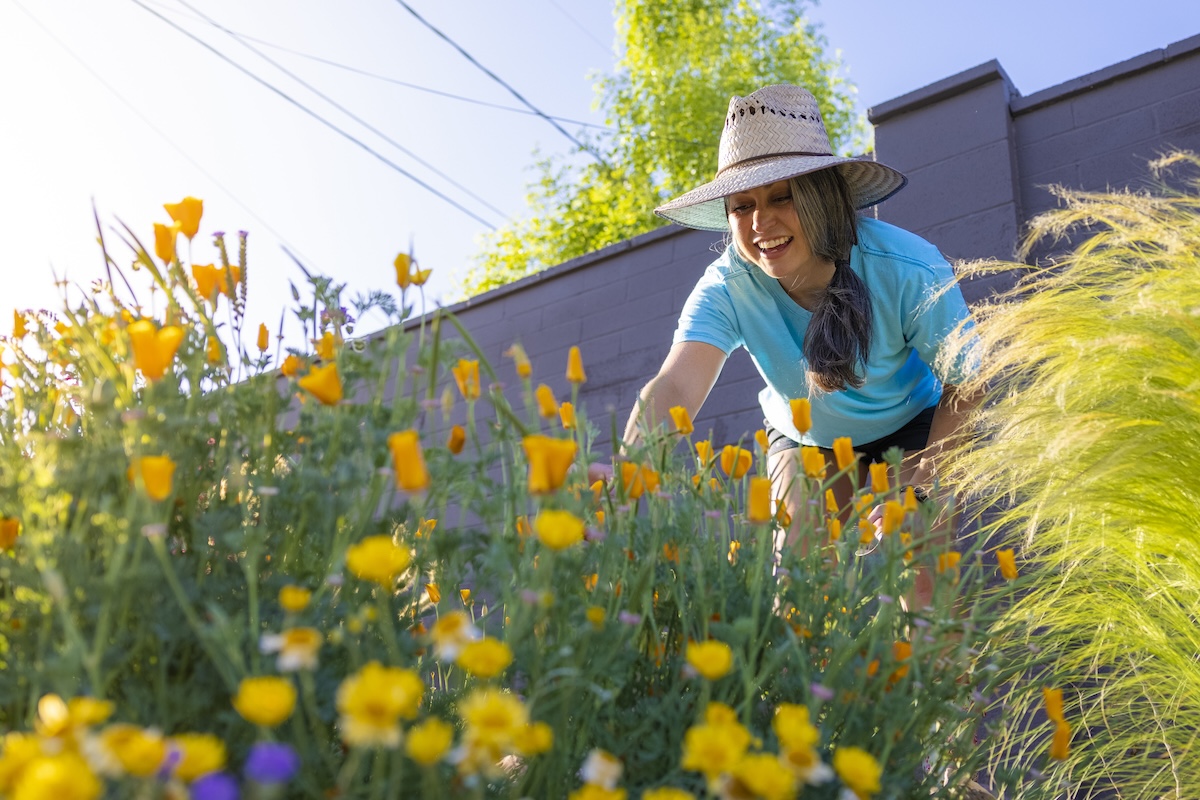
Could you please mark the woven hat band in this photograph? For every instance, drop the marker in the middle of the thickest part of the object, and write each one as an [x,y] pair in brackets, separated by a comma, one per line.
[765,156]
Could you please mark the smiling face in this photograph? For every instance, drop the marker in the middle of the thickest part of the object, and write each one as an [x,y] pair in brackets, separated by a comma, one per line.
[767,232]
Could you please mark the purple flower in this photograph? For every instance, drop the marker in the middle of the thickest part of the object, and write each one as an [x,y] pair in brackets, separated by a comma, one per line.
[886,598]
[215,786]
[821,692]
[595,535]
[272,762]
[529,597]
[629,618]
[713,514]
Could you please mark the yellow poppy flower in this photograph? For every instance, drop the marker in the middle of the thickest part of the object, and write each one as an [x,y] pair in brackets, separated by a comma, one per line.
[456,440]
[682,420]
[1060,745]
[704,452]
[520,360]
[859,771]
[326,346]
[758,506]
[372,701]
[485,658]
[549,460]
[408,461]
[10,529]
[158,475]
[421,276]
[736,461]
[19,329]
[377,559]
[566,412]
[264,337]
[879,477]
[265,701]
[893,516]
[801,414]
[558,529]
[199,754]
[186,214]
[153,348]
[1008,564]
[712,659]
[213,351]
[164,241]
[294,599]
[466,375]
[429,741]
[323,383]
[843,451]
[547,405]
[291,365]
[434,593]
[575,373]
[403,264]
[813,461]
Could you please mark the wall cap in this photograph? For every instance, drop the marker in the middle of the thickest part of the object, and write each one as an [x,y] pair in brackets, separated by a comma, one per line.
[1109,74]
[940,90]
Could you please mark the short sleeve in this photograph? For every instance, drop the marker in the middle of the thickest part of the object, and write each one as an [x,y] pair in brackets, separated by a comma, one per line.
[940,327]
[708,316]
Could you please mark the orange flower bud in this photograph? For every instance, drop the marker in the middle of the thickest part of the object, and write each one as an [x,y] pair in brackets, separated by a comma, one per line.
[186,214]
[575,373]
[758,507]
[408,461]
[324,383]
[843,451]
[458,437]
[801,414]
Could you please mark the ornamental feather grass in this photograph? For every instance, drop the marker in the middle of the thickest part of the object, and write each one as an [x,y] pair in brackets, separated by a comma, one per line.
[1086,455]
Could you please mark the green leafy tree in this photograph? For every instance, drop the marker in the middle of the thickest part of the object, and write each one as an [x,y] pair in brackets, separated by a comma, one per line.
[680,63]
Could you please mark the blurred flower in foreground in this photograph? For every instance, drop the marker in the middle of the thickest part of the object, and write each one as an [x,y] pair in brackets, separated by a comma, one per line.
[212,281]
[520,360]
[323,383]
[10,529]
[153,348]
[452,632]
[549,459]
[466,375]
[264,337]
[164,241]
[272,762]
[1008,564]
[429,741]
[712,659]
[291,365]
[558,529]
[408,461]
[566,412]
[297,648]
[372,701]
[547,405]
[858,770]
[158,475]
[199,754]
[377,559]
[19,329]
[601,768]
[758,506]
[294,599]
[456,440]
[485,658]
[879,477]
[265,701]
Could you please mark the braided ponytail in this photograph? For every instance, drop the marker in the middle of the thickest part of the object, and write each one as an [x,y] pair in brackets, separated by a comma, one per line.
[838,340]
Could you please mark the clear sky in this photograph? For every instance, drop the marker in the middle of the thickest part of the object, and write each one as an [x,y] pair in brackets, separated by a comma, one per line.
[104,102]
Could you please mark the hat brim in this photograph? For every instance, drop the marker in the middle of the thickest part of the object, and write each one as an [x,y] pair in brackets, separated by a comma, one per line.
[704,207]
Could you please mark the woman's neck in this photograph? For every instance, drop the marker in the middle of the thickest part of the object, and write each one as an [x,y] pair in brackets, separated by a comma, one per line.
[807,288]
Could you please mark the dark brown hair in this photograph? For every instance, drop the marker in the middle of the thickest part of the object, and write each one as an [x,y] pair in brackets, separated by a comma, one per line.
[838,339]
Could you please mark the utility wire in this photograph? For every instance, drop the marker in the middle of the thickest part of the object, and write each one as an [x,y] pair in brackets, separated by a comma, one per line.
[417,87]
[343,109]
[497,79]
[318,117]
[134,110]
[581,27]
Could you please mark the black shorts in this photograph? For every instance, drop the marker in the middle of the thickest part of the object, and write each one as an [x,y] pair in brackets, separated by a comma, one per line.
[913,435]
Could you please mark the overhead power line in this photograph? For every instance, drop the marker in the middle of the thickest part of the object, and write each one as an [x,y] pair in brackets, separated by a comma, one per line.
[146,120]
[345,134]
[587,149]
[343,109]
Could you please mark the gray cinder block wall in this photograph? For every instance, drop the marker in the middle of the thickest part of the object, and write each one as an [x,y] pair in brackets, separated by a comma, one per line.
[979,157]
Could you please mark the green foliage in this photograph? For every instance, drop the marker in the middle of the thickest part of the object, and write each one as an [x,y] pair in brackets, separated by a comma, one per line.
[162,602]
[1089,442]
[680,63]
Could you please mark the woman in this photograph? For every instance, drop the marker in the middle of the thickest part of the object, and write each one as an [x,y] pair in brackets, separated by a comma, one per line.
[847,311]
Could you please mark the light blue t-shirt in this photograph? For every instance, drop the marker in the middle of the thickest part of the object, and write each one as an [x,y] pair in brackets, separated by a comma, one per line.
[737,304]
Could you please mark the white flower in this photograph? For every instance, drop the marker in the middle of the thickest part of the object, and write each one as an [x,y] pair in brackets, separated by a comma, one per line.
[602,769]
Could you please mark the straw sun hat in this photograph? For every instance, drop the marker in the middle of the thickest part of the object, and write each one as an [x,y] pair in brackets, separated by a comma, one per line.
[773,134]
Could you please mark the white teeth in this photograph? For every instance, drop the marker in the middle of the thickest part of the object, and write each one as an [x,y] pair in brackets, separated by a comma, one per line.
[774,243]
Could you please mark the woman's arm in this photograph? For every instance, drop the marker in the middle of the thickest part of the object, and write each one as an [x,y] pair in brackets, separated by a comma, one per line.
[952,411]
[685,379]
